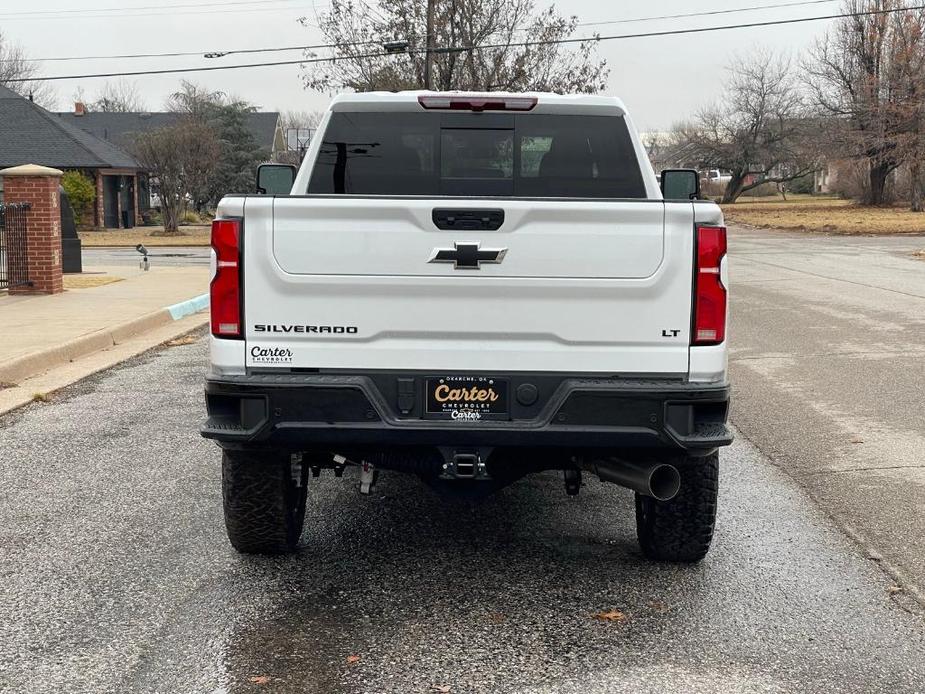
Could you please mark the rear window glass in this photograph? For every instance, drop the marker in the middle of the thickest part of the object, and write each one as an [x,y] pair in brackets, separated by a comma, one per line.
[460,154]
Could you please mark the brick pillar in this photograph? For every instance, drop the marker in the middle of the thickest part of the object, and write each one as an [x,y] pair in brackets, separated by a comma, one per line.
[100,219]
[119,204]
[38,186]
[135,199]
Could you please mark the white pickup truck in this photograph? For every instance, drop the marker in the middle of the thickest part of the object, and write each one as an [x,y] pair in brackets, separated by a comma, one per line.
[470,288]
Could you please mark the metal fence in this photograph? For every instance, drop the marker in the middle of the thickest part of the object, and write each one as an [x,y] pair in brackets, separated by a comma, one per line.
[14,268]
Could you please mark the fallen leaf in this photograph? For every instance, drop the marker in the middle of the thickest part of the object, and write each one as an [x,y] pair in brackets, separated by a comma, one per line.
[442,688]
[893,590]
[857,440]
[183,340]
[496,618]
[659,606]
[610,616]
[351,659]
[260,679]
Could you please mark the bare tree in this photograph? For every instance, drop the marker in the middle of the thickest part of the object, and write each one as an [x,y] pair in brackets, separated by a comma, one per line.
[908,77]
[118,97]
[181,157]
[460,28]
[300,119]
[858,74]
[196,100]
[228,118]
[757,131]
[16,65]
[298,128]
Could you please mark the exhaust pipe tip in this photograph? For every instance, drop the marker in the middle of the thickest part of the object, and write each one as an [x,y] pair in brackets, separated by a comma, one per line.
[661,481]
[664,482]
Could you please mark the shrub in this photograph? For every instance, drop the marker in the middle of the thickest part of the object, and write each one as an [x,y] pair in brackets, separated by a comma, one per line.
[805,184]
[190,217]
[712,189]
[852,181]
[763,191]
[81,191]
[152,217]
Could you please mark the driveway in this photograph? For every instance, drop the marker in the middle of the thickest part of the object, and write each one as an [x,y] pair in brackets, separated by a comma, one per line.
[117,576]
[828,372]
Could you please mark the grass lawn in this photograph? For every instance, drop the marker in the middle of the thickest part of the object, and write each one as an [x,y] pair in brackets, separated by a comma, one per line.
[824,214]
[149,236]
[88,281]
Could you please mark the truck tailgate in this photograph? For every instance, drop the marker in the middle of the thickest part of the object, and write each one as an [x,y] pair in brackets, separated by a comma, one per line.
[582,286]
[595,239]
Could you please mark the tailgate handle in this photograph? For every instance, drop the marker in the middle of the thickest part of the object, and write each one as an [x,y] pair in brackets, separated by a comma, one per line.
[470,219]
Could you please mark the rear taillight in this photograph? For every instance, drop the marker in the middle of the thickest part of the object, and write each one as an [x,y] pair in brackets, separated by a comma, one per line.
[468,102]
[709,292]
[225,290]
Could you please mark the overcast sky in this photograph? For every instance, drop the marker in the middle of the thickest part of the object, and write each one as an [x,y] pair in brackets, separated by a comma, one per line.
[661,79]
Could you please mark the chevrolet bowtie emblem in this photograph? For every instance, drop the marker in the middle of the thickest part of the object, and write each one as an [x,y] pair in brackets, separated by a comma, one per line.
[467,255]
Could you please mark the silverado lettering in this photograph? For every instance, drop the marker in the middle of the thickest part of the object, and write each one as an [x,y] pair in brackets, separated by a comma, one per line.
[331,329]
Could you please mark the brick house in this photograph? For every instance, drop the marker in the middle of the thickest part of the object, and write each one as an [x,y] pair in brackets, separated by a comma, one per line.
[31,135]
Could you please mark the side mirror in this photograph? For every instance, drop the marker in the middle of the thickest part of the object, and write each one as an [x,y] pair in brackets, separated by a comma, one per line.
[680,184]
[275,179]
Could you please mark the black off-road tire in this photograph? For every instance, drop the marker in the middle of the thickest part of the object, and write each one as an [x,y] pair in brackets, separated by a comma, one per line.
[264,501]
[681,529]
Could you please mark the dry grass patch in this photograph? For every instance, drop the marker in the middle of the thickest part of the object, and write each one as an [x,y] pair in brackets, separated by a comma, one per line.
[149,236]
[826,215]
[88,281]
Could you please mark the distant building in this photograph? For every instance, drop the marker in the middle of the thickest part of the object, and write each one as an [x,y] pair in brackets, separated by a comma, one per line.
[121,128]
[831,177]
[31,135]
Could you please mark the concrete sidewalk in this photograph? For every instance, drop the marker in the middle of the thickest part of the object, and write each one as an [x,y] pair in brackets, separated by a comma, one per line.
[41,333]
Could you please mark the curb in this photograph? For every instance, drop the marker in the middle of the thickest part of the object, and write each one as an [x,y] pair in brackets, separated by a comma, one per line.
[33,364]
[188,307]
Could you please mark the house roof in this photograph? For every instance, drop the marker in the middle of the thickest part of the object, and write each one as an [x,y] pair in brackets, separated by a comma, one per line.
[31,135]
[120,127]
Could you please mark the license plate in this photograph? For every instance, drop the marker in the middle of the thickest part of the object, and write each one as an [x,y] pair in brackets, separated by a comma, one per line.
[467,398]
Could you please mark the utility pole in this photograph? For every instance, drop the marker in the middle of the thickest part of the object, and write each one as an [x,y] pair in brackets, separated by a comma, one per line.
[429,51]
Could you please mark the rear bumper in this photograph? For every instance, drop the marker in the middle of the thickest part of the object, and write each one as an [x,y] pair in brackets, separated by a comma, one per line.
[304,411]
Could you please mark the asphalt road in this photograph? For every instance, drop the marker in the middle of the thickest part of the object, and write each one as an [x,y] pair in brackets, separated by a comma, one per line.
[828,372]
[116,576]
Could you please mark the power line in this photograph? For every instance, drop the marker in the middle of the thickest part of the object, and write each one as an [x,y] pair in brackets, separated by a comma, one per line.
[155,11]
[707,13]
[461,49]
[120,10]
[279,49]
[44,14]
[221,53]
